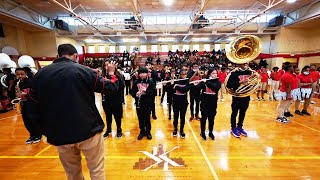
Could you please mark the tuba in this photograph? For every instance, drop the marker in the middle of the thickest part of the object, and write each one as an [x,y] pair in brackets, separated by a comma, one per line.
[27,61]
[6,62]
[244,49]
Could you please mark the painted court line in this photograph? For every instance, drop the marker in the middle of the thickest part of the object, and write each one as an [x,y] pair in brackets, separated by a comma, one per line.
[306,126]
[43,150]
[204,153]
[191,157]
[10,117]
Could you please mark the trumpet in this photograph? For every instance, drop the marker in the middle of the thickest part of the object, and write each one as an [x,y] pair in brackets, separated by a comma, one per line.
[201,73]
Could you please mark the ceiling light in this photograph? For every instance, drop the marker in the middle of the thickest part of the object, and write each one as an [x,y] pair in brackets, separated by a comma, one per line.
[93,41]
[130,39]
[166,39]
[291,1]
[200,39]
[168,2]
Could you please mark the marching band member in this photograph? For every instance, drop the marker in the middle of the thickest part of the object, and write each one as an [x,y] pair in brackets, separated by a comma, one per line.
[23,85]
[144,90]
[296,94]
[110,102]
[180,103]
[284,95]
[315,77]
[165,75]
[209,98]
[239,104]
[193,75]
[305,81]
[153,75]
[169,90]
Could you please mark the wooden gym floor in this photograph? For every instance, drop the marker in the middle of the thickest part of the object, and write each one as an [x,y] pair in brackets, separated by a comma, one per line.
[271,151]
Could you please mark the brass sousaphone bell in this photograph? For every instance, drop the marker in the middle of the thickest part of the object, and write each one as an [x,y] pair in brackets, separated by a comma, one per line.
[244,49]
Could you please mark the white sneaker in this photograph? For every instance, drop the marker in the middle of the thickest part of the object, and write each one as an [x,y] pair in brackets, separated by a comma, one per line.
[312,102]
[302,101]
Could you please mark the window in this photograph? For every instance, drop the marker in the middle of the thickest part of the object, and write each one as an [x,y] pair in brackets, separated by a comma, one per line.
[165,48]
[123,48]
[175,47]
[102,49]
[186,47]
[112,49]
[206,47]
[154,48]
[91,49]
[143,48]
[131,48]
[196,47]
[227,46]
[217,47]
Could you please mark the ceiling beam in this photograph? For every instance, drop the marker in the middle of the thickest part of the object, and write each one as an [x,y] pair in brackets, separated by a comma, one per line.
[203,6]
[138,15]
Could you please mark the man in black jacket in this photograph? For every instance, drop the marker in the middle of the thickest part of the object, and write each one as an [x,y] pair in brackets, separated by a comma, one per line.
[239,104]
[62,103]
[154,78]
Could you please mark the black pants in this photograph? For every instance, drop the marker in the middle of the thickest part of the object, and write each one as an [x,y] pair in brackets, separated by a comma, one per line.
[179,109]
[169,101]
[153,107]
[28,122]
[116,111]
[208,111]
[144,118]
[163,93]
[128,87]
[194,98]
[239,105]
[122,96]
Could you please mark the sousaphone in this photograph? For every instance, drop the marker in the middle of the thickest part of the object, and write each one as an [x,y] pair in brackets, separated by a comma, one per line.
[244,49]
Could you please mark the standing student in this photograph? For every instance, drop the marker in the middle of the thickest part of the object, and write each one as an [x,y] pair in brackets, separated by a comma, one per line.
[144,90]
[62,103]
[165,76]
[263,84]
[153,75]
[194,75]
[239,104]
[296,94]
[275,82]
[305,82]
[180,103]
[209,98]
[315,78]
[23,85]
[285,96]
[110,102]
[169,91]
[222,74]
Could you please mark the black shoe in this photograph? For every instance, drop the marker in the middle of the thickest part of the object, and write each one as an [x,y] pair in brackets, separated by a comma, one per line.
[149,136]
[182,135]
[174,134]
[119,135]
[203,135]
[36,140]
[305,112]
[169,117]
[286,114]
[140,136]
[298,112]
[107,134]
[30,140]
[154,117]
[211,136]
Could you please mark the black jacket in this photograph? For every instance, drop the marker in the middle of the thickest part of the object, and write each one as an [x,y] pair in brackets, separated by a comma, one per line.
[111,98]
[62,101]
[194,88]
[146,99]
[235,77]
[210,90]
[180,89]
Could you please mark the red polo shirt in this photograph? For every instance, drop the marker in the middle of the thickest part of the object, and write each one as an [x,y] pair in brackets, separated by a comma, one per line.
[305,79]
[222,76]
[286,78]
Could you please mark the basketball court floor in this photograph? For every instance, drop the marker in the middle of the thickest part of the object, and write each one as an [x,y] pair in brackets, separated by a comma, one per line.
[271,150]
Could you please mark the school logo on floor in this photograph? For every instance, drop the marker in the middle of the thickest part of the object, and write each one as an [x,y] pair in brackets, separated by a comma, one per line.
[158,159]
